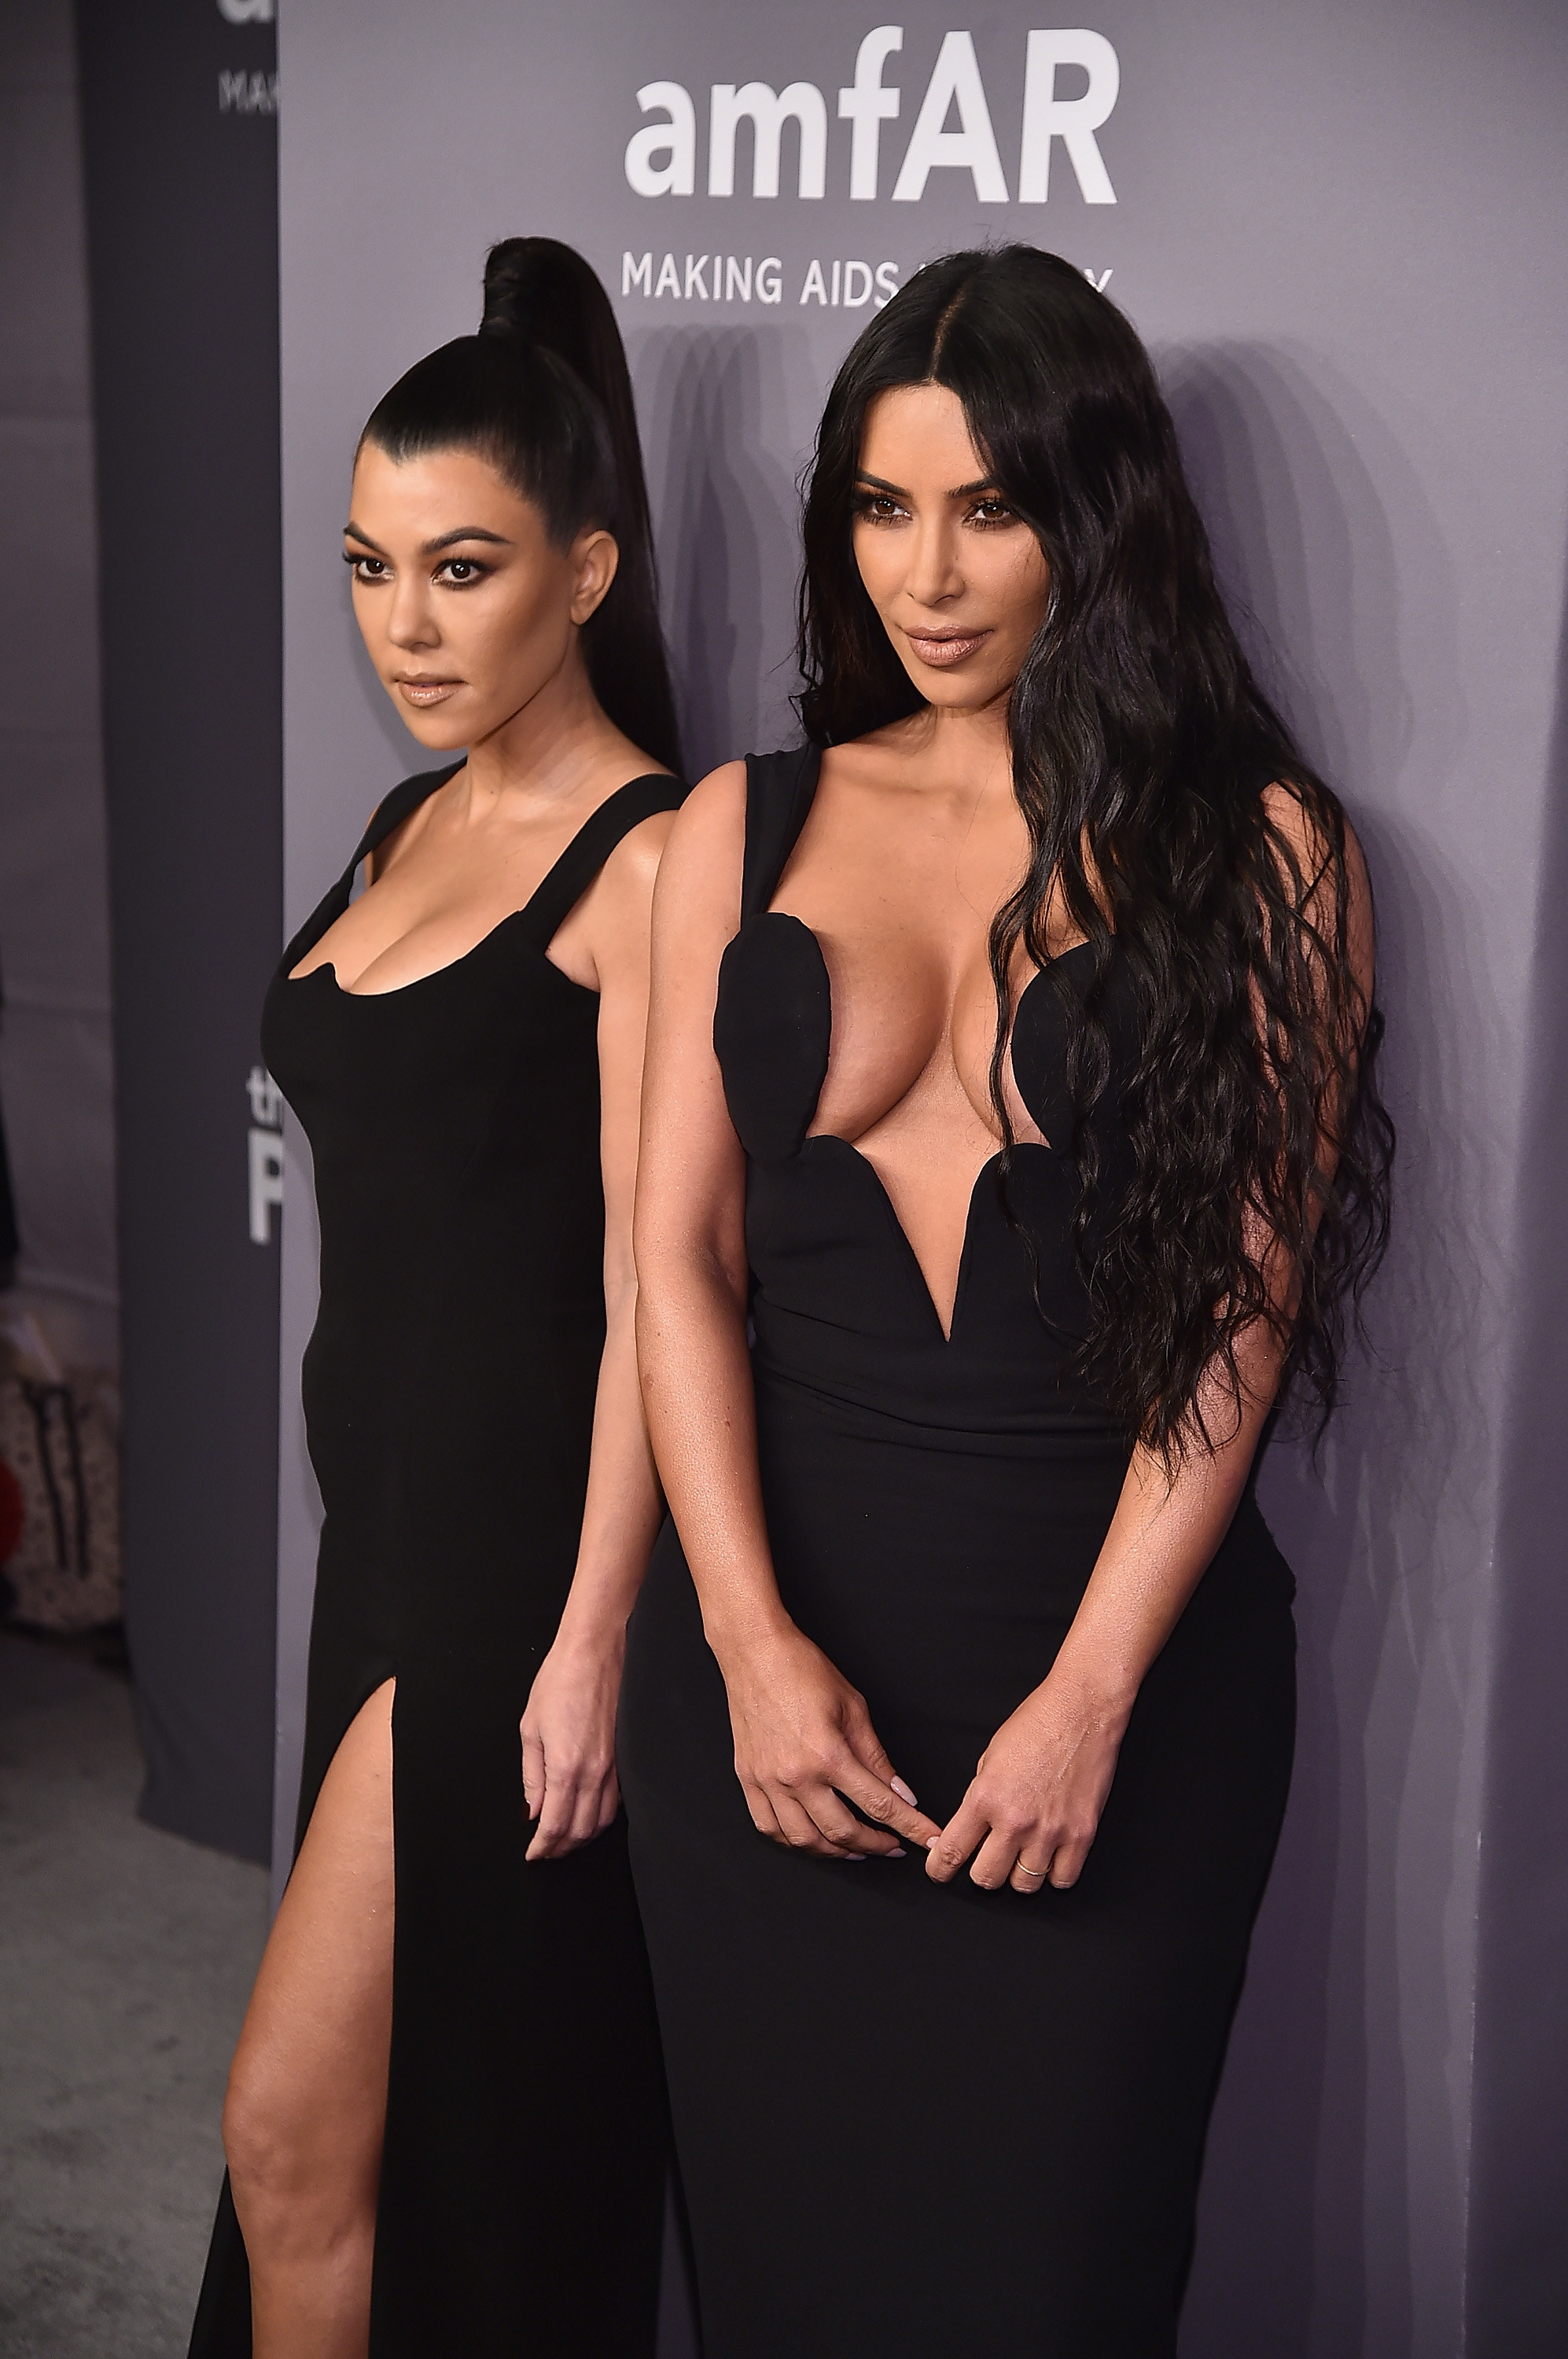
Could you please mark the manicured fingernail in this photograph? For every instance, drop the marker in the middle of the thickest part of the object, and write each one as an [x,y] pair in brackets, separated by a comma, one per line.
[903,1791]
[894,1854]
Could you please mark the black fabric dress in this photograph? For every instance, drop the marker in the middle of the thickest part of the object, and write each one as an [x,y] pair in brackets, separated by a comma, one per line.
[449,1392]
[914,2119]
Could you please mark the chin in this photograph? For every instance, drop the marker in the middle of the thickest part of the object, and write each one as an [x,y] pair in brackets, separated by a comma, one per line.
[961,691]
[439,732]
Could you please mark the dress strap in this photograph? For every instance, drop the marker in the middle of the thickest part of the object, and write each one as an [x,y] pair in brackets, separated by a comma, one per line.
[780,791]
[558,894]
[390,812]
[394,808]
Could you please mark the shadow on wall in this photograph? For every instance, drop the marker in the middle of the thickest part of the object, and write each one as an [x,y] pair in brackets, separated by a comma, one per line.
[725,517]
[1516,2281]
[1345,591]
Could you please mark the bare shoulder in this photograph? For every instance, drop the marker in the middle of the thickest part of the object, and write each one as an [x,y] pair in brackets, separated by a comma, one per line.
[617,913]
[629,873]
[714,812]
[702,872]
[1299,817]
[1330,878]
[691,857]
[1314,828]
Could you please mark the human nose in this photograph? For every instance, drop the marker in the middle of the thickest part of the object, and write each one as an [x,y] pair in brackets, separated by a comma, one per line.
[935,575]
[411,621]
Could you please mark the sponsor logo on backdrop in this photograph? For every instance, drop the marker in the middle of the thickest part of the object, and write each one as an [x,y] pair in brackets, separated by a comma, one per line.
[244,91]
[265,1141]
[662,157]
[247,94]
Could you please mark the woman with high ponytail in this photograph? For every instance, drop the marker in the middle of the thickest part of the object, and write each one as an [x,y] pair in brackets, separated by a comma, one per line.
[446,2124]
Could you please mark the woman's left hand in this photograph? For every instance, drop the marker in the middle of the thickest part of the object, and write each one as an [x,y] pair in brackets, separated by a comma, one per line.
[1033,1806]
[569,1745]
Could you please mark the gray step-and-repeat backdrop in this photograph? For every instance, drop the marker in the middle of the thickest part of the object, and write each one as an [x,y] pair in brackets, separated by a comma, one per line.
[1337,226]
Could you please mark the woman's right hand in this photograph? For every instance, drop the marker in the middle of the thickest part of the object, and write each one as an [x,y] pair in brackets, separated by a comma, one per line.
[805,1748]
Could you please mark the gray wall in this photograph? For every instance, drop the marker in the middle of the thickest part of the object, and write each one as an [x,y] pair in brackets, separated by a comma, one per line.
[1338,227]
[55,1084]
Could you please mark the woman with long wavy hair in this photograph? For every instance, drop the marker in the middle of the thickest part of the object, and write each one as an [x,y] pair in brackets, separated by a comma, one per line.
[1009,1070]
[446,2126]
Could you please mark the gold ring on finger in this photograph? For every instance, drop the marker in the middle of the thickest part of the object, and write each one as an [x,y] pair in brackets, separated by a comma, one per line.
[1039,1873]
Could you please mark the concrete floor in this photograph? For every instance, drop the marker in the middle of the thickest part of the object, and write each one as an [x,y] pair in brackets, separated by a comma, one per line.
[126,1957]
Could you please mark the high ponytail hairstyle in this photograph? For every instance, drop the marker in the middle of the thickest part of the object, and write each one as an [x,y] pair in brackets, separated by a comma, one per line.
[1143,753]
[542,393]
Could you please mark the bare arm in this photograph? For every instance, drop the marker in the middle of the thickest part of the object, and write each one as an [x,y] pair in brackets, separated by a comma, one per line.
[568,1730]
[803,1736]
[1033,1806]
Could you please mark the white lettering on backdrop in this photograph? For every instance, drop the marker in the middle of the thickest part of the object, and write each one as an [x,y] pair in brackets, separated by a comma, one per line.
[661,159]
[850,284]
[970,148]
[769,113]
[266,1152]
[868,106]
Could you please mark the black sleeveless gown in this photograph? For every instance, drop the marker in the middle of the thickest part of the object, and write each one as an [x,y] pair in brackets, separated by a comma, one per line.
[449,1392]
[912,2119]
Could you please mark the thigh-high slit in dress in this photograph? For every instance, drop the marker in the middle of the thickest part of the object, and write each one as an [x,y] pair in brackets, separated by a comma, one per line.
[449,1392]
[912,2119]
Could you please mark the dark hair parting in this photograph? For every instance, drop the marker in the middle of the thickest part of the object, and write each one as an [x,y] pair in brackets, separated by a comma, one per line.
[1142,756]
[543,393]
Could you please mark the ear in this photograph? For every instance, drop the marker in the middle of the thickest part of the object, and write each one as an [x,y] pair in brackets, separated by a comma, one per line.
[594,556]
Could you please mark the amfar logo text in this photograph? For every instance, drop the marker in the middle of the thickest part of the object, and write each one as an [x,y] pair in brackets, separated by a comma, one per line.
[661,159]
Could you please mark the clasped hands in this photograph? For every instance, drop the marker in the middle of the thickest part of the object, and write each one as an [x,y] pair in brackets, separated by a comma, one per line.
[805,1749]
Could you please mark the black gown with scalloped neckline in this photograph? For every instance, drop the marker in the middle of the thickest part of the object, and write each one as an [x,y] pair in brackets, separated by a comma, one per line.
[449,1390]
[910,2118]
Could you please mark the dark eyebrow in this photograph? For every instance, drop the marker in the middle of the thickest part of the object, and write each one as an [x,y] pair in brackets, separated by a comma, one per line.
[897,491]
[465,532]
[430,548]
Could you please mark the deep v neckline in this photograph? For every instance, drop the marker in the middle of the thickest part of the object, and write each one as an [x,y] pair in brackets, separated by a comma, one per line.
[815,1137]
[900,1234]
[775,819]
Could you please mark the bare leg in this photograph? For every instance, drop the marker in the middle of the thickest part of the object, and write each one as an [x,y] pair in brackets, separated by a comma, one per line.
[307,2101]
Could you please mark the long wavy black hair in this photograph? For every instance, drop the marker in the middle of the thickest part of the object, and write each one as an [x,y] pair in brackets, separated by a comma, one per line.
[542,393]
[1143,754]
